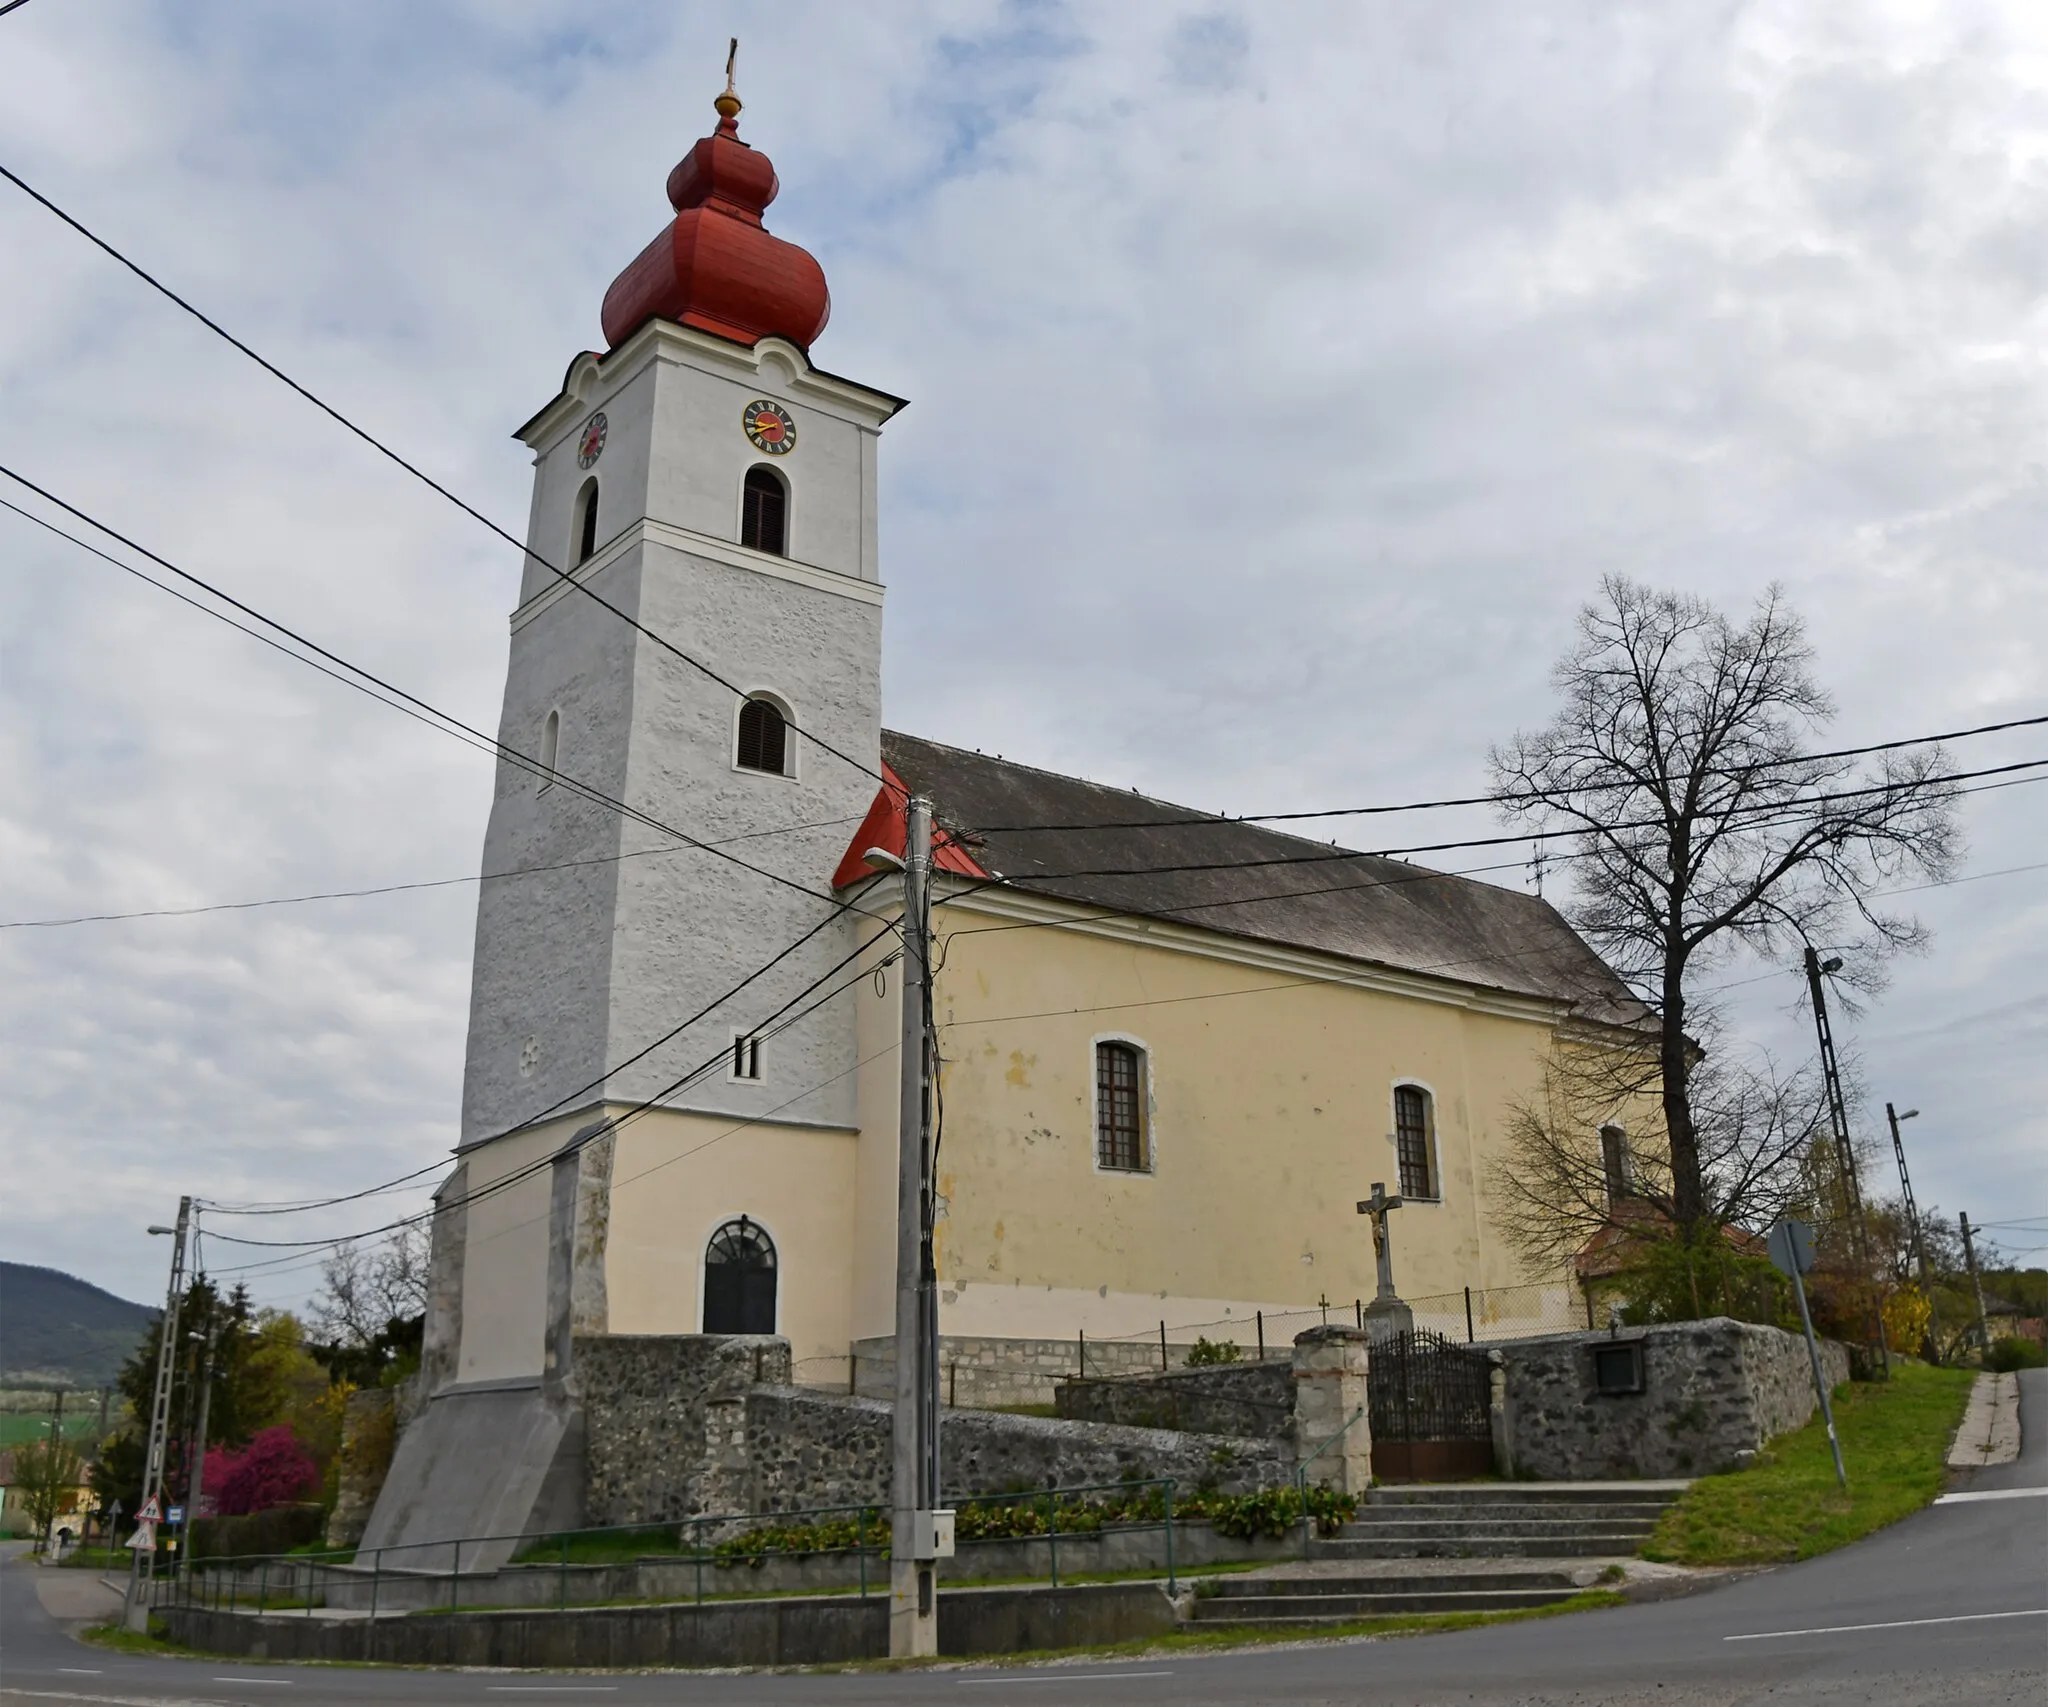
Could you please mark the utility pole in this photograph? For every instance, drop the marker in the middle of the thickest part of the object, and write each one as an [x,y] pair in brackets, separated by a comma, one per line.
[1913,1228]
[135,1615]
[915,1544]
[1976,1283]
[1845,1150]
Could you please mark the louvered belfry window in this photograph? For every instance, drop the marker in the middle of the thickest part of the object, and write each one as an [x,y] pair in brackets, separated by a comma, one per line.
[764,512]
[1119,1107]
[1411,1141]
[764,738]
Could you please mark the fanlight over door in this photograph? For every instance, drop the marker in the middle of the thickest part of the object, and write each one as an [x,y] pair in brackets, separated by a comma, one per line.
[739,1280]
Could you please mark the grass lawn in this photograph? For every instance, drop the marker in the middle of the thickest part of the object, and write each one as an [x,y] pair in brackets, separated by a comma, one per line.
[1895,1436]
[19,1428]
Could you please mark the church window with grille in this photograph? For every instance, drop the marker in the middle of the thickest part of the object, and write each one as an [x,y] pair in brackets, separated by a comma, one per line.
[586,522]
[1415,1141]
[739,1280]
[1120,1108]
[763,738]
[764,512]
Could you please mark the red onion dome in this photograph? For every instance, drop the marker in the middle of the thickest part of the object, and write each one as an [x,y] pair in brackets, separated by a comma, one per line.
[716,267]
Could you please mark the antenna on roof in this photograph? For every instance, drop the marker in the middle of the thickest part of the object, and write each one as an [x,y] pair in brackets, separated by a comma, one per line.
[1536,861]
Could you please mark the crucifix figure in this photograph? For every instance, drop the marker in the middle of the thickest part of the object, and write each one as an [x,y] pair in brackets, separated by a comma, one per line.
[1386,1310]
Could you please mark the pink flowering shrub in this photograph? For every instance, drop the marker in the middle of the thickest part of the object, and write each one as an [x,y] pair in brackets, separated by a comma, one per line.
[272,1470]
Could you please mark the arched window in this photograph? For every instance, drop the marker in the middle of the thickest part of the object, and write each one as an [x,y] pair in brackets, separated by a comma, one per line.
[739,1280]
[764,512]
[764,738]
[586,521]
[550,748]
[1415,1141]
[1120,1108]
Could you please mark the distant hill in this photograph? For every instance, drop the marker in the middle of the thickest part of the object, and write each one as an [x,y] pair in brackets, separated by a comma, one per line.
[58,1330]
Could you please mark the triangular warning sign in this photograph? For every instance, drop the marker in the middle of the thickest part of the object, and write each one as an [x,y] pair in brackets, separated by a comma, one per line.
[151,1512]
[144,1538]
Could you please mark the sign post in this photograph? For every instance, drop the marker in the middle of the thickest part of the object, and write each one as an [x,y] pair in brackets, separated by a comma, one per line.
[1791,1247]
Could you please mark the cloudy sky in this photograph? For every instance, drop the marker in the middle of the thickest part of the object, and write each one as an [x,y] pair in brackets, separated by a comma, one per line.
[1283,378]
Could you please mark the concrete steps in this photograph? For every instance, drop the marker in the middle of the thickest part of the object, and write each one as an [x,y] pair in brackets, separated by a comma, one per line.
[1306,1602]
[1502,1520]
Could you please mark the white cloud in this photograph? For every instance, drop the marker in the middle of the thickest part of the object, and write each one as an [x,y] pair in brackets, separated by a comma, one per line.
[1282,379]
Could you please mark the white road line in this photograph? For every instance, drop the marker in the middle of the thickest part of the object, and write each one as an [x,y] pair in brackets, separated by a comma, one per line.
[79,1671]
[261,1682]
[1895,1624]
[1992,1494]
[1056,1676]
[552,1689]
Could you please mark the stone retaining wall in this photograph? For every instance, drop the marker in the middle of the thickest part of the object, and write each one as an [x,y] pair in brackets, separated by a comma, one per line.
[1255,1400]
[1714,1392]
[680,1426]
[981,1370]
[822,1631]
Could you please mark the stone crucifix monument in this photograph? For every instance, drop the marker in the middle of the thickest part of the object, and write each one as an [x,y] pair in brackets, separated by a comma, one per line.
[1386,1314]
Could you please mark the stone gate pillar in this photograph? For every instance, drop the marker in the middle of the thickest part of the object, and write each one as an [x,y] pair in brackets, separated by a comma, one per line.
[1329,1391]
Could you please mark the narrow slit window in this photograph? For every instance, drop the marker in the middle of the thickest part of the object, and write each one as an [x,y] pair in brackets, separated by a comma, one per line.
[1615,1164]
[1120,1107]
[550,748]
[763,739]
[1414,1141]
[586,522]
[746,1057]
[764,512]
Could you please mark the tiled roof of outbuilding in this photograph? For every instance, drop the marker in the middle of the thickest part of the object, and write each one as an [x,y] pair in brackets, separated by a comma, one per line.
[1127,852]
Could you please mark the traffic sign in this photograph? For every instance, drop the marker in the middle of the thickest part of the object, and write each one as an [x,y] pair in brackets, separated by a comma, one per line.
[1791,1246]
[151,1512]
[175,1515]
[144,1538]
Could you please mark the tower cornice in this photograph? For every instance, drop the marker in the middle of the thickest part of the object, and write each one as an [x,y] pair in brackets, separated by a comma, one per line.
[774,363]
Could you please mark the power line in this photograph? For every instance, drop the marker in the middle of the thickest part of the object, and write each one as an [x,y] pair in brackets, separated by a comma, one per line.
[432,715]
[1195,820]
[1763,810]
[403,888]
[411,468]
[595,1084]
[505,1182]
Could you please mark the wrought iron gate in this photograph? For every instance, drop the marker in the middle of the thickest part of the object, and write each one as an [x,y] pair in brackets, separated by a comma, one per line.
[1431,1404]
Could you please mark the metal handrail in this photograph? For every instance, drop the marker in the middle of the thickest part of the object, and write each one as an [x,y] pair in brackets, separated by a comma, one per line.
[1301,1476]
[310,1572]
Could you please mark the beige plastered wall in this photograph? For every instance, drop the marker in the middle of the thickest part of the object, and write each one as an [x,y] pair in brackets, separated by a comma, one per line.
[1270,1109]
[677,1177]
[505,1258]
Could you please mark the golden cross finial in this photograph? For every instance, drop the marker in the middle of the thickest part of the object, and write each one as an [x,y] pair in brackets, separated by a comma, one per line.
[728,104]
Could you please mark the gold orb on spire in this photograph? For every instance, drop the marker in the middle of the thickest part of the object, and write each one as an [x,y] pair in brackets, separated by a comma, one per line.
[728,104]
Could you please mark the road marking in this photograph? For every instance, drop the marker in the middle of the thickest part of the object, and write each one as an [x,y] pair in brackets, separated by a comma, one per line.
[1068,1677]
[1894,1624]
[1992,1494]
[264,1682]
[552,1689]
[79,1671]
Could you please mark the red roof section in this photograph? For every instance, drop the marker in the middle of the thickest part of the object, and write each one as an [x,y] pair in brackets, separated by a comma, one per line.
[716,267]
[887,826]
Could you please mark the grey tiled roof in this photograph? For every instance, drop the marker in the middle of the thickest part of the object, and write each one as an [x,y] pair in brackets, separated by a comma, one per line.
[1305,894]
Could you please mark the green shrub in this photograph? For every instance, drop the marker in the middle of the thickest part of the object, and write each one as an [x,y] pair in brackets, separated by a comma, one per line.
[2006,1355]
[1205,1353]
[281,1529]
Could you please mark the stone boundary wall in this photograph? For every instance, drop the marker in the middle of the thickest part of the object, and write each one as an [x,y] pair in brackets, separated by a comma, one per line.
[665,1420]
[1255,1400]
[681,1426]
[981,1370]
[822,1631]
[1714,1392]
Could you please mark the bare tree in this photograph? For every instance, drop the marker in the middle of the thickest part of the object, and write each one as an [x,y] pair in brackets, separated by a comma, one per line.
[1580,1158]
[1702,824]
[364,1290]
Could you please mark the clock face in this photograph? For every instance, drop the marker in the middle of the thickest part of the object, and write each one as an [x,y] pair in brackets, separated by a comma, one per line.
[591,446]
[769,426]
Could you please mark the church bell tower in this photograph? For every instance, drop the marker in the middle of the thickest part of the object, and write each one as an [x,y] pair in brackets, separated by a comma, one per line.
[715,492]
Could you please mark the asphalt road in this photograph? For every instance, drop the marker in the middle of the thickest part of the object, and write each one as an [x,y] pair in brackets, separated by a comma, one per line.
[1950,1606]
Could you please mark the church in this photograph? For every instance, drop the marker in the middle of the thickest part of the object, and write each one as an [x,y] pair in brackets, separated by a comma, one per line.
[1176,1049]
